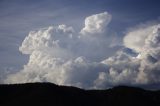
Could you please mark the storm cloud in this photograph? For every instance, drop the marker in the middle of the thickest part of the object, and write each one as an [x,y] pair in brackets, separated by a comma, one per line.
[61,55]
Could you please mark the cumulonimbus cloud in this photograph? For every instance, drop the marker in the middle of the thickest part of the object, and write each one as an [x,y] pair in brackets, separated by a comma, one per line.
[63,56]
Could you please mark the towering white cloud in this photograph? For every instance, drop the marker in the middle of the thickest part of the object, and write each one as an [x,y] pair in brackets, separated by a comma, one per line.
[96,23]
[63,56]
[59,55]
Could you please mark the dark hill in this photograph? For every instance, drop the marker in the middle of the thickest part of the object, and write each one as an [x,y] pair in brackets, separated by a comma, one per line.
[47,94]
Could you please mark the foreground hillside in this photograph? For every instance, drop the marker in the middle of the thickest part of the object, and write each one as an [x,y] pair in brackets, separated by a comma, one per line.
[47,94]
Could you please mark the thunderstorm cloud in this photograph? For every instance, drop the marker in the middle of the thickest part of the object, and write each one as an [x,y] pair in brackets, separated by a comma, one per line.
[64,56]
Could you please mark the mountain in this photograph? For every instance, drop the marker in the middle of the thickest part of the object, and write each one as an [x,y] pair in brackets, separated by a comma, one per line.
[48,94]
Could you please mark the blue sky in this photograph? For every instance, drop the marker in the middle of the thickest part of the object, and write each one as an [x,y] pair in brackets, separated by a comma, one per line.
[19,17]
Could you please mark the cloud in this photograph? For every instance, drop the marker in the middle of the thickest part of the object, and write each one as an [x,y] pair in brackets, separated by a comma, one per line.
[58,54]
[128,69]
[149,56]
[63,56]
[143,68]
[136,39]
[96,23]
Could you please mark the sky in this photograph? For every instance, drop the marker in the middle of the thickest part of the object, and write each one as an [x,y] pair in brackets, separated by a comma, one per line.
[84,43]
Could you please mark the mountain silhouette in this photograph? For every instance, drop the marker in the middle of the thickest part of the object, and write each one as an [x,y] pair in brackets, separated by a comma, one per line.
[48,94]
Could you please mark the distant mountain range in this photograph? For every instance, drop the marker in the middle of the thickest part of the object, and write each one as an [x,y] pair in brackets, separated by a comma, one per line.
[48,94]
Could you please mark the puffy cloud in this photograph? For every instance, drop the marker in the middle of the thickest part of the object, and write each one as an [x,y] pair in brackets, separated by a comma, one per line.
[57,54]
[44,68]
[136,39]
[96,24]
[63,56]
[146,44]
[124,68]
[46,38]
